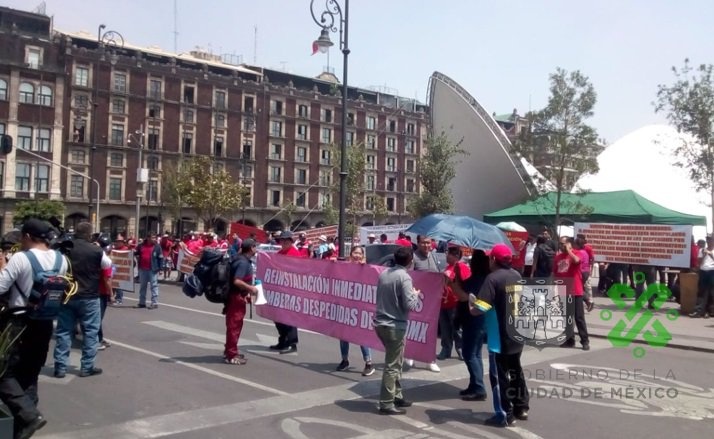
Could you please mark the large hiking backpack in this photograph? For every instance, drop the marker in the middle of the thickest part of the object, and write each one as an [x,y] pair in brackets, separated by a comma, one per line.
[213,271]
[49,288]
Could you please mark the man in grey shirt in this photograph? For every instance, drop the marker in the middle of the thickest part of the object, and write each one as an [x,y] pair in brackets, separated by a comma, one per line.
[424,260]
[396,296]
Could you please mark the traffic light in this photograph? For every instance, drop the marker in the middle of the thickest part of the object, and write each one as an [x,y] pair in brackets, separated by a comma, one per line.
[5,144]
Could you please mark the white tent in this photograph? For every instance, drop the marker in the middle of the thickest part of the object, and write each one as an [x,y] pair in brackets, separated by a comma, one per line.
[643,161]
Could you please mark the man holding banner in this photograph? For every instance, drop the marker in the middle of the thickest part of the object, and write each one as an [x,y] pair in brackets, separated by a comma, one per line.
[396,296]
[287,335]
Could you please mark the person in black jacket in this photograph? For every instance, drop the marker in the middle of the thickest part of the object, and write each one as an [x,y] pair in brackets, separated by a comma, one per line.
[87,261]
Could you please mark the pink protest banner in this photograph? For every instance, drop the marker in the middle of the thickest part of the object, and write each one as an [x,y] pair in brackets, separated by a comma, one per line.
[338,299]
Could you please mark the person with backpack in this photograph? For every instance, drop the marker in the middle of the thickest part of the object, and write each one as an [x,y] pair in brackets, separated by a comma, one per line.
[543,256]
[241,289]
[87,261]
[150,258]
[19,283]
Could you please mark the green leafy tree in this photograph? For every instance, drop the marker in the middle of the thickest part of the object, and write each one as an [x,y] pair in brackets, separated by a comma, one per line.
[436,170]
[330,213]
[688,104]
[42,209]
[288,211]
[561,130]
[175,187]
[212,191]
[354,197]
[379,211]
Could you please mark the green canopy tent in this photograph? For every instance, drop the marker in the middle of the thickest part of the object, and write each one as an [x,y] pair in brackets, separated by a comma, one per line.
[595,207]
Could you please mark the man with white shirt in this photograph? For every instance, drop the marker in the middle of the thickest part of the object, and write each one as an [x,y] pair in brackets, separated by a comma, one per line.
[88,261]
[18,385]
[705,296]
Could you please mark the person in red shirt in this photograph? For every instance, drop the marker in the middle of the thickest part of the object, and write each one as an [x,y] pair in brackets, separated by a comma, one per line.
[287,335]
[210,241]
[448,323]
[567,265]
[166,245]
[403,241]
[149,260]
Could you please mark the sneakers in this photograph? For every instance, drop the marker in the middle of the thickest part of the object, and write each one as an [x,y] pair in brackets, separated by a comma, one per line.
[434,367]
[589,305]
[391,411]
[239,360]
[60,374]
[140,305]
[586,347]
[153,306]
[402,403]
[497,421]
[103,345]
[443,355]
[91,372]
[289,349]
[30,429]
[409,363]
[344,364]
[521,415]
[474,397]
[368,369]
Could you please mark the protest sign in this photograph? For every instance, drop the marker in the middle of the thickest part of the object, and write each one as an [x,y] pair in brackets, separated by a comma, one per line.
[312,234]
[187,260]
[392,232]
[338,299]
[123,278]
[518,240]
[641,244]
[244,231]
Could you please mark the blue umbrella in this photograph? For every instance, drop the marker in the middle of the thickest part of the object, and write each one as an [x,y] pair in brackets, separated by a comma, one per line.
[460,230]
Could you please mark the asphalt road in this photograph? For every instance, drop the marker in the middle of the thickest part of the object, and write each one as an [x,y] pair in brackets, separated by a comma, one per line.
[164,377]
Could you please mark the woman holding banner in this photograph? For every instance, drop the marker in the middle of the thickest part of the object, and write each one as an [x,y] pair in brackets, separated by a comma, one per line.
[357,256]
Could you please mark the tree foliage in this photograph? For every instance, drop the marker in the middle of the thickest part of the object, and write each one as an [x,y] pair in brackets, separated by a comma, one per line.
[561,130]
[436,170]
[208,189]
[688,104]
[41,209]
[174,191]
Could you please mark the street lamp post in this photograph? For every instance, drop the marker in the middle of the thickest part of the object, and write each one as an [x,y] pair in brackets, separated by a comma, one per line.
[141,177]
[329,19]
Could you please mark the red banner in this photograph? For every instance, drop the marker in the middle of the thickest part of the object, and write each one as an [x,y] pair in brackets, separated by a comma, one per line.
[244,231]
[519,241]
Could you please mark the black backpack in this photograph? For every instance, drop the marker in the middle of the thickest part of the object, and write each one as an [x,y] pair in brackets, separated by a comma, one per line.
[213,270]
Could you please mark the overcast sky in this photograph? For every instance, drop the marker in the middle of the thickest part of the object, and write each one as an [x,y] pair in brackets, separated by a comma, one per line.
[501,51]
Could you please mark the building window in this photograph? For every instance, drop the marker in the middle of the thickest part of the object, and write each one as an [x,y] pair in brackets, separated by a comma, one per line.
[275,198]
[409,147]
[248,104]
[369,203]
[117,134]
[326,115]
[218,147]
[152,162]
[249,124]
[2,175]
[301,155]
[118,106]
[77,156]
[2,128]
[220,120]
[24,137]
[44,143]
[350,119]
[81,101]
[302,132]
[275,174]
[27,93]
[371,160]
[301,176]
[326,178]
[78,131]
[326,135]
[350,138]
[391,184]
[152,190]
[391,164]
[391,144]
[411,185]
[22,177]
[303,111]
[33,57]
[42,181]
[247,150]
[276,128]
[119,82]
[220,100]
[155,88]
[115,188]
[188,92]
[371,123]
[154,111]
[3,90]
[188,115]
[76,186]
[371,142]
[390,204]
[44,96]
[392,126]
[410,166]
[411,129]
[300,200]
[370,182]
[187,141]
[153,138]
[276,152]
[116,160]
[325,157]
[276,107]
[81,76]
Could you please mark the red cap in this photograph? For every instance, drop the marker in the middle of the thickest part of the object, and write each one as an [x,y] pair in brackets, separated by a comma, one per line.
[501,253]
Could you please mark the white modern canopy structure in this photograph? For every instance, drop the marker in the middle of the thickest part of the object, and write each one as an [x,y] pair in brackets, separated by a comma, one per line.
[492,176]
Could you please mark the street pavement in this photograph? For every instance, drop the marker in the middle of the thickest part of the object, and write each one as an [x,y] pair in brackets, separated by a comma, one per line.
[164,377]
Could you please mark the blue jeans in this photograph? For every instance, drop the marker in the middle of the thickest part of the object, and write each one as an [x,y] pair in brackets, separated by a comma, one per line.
[88,313]
[473,336]
[152,279]
[345,351]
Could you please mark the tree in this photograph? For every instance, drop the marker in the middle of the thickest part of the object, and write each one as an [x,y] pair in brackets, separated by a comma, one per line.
[212,191]
[561,129]
[41,209]
[175,187]
[379,209]
[436,170]
[356,162]
[289,208]
[689,105]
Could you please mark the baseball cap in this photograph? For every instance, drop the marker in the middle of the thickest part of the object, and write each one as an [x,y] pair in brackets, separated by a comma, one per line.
[287,234]
[501,253]
[37,229]
[248,244]
[371,235]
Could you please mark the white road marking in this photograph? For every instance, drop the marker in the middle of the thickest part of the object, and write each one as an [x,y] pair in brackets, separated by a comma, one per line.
[202,345]
[201,368]
[208,335]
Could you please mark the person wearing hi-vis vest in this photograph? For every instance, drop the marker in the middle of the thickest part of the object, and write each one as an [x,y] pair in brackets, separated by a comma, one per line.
[510,381]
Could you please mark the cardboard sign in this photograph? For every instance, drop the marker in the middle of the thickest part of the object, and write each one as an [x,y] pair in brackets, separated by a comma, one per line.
[392,232]
[123,278]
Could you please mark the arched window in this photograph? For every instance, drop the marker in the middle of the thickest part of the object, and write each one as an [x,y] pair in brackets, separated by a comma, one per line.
[27,93]
[45,96]
[3,90]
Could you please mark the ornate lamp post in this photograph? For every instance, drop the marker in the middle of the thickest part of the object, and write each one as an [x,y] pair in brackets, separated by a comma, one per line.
[336,19]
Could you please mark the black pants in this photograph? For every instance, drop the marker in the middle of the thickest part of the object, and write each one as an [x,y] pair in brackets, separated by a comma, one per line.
[705,295]
[450,330]
[287,335]
[580,322]
[18,385]
[511,383]
[103,302]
